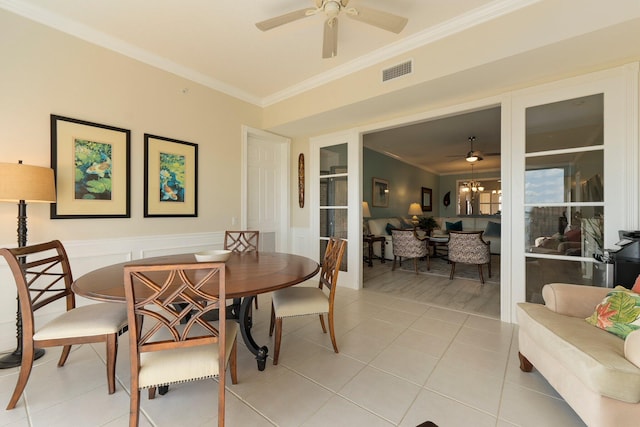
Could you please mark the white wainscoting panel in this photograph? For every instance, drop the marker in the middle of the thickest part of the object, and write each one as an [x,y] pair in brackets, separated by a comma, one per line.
[302,244]
[88,255]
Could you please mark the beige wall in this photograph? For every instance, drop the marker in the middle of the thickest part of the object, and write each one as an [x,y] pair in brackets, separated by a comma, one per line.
[45,72]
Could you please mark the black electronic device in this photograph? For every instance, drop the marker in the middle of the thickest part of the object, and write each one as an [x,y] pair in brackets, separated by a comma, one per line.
[626,259]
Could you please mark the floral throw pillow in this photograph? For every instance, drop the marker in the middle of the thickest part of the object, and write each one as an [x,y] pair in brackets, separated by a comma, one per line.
[618,313]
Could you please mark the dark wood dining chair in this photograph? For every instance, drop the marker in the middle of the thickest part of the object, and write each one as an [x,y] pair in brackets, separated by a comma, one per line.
[304,300]
[169,348]
[242,242]
[43,275]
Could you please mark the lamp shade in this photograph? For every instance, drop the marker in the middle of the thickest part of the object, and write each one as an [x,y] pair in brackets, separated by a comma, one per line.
[366,213]
[25,182]
[415,209]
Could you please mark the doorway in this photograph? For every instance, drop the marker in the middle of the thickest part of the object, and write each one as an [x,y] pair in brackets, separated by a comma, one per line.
[265,188]
[431,153]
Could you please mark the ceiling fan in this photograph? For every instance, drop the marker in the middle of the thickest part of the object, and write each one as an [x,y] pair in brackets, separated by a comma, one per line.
[332,9]
[472,155]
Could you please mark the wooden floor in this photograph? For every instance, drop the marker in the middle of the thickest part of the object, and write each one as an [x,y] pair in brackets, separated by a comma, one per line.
[459,294]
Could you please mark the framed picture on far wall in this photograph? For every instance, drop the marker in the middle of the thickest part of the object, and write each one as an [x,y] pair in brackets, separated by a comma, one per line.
[170,177]
[427,199]
[380,196]
[92,169]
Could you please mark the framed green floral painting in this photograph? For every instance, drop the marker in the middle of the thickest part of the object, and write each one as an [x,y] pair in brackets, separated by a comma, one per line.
[170,177]
[92,169]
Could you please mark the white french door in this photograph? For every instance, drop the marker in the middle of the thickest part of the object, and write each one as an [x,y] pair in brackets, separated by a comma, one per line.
[335,194]
[574,177]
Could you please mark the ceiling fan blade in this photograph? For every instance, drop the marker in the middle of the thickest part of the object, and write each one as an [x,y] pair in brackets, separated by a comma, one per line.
[385,20]
[283,19]
[330,39]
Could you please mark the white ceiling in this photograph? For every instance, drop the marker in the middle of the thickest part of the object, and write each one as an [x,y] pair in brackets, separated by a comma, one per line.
[216,43]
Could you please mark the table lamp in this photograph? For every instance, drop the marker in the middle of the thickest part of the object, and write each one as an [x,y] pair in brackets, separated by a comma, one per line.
[23,183]
[366,213]
[415,210]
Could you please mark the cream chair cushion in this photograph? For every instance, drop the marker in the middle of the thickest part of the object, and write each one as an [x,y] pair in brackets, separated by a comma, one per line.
[88,320]
[183,364]
[300,301]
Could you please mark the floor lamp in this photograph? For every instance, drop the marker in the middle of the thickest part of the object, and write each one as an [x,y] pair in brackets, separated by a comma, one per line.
[23,183]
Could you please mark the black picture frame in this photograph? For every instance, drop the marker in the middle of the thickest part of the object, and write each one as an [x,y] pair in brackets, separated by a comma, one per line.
[170,177]
[427,199]
[92,168]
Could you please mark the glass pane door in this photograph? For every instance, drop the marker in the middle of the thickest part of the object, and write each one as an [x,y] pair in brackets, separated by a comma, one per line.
[564,192]
[334,195]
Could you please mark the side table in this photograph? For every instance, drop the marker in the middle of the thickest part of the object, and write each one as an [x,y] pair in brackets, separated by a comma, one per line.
[439,241]
[370,240]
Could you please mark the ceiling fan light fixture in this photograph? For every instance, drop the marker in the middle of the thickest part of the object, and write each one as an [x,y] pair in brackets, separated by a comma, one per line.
[332,9]
[471,157]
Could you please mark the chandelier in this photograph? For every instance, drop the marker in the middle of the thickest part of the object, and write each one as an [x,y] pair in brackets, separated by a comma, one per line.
[472,185]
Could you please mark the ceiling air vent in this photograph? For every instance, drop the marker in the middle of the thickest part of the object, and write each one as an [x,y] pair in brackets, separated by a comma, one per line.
[397,71]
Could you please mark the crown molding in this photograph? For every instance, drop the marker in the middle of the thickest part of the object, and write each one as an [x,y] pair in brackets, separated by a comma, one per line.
[115,44]
[463,22]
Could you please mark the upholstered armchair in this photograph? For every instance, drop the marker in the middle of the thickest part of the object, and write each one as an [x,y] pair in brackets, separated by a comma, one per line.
[407,244]
[468,247]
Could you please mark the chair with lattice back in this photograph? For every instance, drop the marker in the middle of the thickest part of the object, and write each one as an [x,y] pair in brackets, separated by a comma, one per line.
[242,242]
[304,300]
[178,345]
[43,275]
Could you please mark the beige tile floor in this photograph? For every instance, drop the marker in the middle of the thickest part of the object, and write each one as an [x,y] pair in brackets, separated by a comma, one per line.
[401,363]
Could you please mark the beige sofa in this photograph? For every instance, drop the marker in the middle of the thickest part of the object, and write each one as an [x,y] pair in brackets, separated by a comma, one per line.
[596,372]
[378,227]
[472,224]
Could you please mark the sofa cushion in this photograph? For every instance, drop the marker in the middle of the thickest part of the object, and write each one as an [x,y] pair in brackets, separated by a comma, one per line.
[591,354]
[492,230]
[454,226]
[632,348]
[388,228]
[636,285]
[377,225]
[574,235]
[618,313]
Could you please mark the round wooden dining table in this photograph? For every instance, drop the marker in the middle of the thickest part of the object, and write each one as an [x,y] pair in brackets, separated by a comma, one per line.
[247,275]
